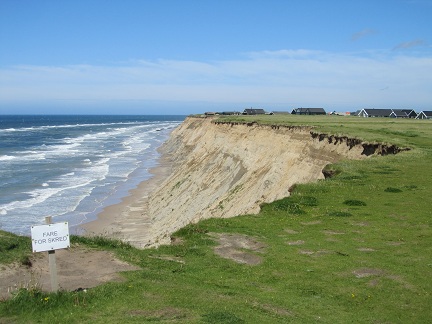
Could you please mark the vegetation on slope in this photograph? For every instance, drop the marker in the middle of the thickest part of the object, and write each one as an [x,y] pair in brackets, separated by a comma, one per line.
[352,248]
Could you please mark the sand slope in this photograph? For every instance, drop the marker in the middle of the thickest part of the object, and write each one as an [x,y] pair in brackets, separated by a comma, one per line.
[220,170]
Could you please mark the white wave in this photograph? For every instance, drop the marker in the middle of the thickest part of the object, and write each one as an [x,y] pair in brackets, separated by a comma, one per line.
[45,127]
[62,148]
[45,184]
[29,156]
[39,196]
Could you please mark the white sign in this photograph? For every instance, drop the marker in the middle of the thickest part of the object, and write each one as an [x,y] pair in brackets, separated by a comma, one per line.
[50,237]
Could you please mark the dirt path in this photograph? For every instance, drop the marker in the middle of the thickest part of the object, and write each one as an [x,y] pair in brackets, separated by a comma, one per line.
[76,268]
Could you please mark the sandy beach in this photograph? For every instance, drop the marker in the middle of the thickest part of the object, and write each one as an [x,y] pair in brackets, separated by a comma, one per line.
[128,220]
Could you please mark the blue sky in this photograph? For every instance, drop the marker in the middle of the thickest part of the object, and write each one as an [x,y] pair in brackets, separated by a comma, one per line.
[182,57]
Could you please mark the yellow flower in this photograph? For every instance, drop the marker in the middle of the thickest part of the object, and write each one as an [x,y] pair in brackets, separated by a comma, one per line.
[352,295]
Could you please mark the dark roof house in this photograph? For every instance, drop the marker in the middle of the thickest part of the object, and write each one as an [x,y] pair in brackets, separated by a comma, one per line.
[403,113]
[308,111]
[372,112]
[424,115]
[252,111]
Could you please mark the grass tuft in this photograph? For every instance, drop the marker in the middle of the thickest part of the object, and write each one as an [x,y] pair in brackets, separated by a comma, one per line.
[353,202]
[391,189]
[101,241]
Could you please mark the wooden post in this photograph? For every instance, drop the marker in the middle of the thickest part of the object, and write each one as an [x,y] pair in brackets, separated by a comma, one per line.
[52,263]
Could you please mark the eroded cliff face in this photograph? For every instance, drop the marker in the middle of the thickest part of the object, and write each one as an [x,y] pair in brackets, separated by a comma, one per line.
[228,169]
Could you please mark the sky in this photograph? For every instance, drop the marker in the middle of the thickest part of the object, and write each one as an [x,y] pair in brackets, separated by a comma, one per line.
[191,56]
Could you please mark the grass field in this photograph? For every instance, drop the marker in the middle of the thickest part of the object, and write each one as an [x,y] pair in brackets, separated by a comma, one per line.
[355,248]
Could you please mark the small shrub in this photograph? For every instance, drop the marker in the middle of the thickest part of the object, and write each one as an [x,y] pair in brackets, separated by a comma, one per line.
[308,201]
[101,241]
[353,202]
[281,204]
[295,209]
[191,229]
[391,189]
[289,205]
[11,246]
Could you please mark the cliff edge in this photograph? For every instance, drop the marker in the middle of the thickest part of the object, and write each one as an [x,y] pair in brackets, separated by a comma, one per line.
[229,169]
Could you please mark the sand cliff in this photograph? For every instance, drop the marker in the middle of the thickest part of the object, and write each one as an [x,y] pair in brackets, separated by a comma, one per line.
[216,169]
[226,169]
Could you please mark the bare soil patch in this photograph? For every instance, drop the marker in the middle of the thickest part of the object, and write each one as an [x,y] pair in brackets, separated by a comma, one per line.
[367,272]
[290,231]
[77,268]
[238,247]
[299,242]
[328,232]
[364,249]
[311,223]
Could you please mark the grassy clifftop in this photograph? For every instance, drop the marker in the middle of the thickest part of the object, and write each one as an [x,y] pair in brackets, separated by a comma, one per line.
[352,248]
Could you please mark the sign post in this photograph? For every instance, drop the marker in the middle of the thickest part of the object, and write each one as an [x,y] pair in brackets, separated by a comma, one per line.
[49,238]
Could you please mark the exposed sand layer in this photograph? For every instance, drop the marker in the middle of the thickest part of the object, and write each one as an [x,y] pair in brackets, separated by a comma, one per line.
[219,170]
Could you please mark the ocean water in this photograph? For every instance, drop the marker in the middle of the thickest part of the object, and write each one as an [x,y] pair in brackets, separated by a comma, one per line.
[71,167]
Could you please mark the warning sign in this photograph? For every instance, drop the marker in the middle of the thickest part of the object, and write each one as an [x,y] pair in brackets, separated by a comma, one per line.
[50,237]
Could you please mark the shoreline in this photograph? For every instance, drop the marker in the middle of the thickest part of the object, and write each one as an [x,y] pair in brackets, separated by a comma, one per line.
[128,220]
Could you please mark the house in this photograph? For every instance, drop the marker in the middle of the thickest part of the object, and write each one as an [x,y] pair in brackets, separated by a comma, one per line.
[252,111]
[308,111]
[403,113]
[424,115]
[372,112]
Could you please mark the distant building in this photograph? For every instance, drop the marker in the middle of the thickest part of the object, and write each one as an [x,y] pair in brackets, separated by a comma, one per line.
[403,113]
[251,111]
[424,115]
[372,112]
[308,111]
[394,113]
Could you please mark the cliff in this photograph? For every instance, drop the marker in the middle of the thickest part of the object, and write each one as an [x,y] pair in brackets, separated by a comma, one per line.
[229,169]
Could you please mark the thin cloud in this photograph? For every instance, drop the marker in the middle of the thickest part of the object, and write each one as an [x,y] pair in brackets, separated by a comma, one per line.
[406,45]
[301,76]
[363,33]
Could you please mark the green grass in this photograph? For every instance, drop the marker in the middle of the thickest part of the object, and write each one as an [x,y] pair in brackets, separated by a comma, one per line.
[354,248]
[14,248]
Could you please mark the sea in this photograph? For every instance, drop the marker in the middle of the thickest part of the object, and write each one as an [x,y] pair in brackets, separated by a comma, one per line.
[72,167]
